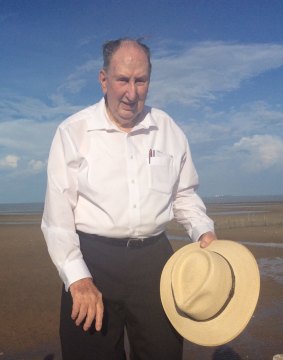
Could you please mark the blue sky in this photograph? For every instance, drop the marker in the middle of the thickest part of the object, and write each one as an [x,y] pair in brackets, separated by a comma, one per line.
[217,70]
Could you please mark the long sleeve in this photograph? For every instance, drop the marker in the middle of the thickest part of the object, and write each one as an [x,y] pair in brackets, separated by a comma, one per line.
[189,209]
[58,223]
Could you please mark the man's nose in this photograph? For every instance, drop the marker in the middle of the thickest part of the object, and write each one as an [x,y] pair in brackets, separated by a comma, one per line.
[131,91]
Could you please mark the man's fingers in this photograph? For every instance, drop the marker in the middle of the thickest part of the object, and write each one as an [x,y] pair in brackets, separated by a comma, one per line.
[99,315]
[95,313]
[87,304]
[204,243]
[89,319]
[82,314]
[207,239]
[75,310]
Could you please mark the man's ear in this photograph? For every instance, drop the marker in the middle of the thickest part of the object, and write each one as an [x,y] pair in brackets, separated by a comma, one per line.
[103,80]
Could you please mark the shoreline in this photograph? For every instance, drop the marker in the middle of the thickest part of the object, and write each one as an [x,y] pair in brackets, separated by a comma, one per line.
[31,288]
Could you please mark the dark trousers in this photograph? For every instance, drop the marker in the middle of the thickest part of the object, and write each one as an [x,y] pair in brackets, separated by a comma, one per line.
[129,281]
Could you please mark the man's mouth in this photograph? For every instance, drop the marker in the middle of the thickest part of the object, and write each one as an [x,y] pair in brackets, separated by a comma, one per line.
[129,106]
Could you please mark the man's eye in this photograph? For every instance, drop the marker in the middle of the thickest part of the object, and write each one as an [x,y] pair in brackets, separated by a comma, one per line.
[140,81]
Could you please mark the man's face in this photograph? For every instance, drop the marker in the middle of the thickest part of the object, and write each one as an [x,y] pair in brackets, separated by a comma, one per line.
[125,84]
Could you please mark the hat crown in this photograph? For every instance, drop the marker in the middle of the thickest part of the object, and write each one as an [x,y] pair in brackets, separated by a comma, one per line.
[201,284]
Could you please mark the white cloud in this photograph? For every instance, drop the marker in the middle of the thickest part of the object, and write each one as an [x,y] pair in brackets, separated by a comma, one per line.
[81,76]
[9,161]
[29,141]
[260,152]
[26,137]
[200,72]
[257,117]
[27,127]
[21,107]
[37,166]
[232,124]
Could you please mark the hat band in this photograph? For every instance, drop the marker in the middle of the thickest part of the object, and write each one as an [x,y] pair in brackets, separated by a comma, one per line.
[230,295]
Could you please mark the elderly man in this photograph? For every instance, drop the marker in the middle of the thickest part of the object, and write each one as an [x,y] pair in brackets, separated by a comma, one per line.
[118,172]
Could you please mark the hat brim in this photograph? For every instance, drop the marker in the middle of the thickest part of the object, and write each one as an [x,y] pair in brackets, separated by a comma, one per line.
[235,317]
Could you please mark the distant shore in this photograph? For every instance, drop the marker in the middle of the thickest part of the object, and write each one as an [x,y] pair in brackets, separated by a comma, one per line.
[30,287]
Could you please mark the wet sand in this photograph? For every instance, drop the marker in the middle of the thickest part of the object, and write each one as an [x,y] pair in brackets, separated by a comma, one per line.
[30,287]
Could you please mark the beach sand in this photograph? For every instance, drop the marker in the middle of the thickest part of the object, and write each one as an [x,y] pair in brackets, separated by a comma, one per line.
[30,287]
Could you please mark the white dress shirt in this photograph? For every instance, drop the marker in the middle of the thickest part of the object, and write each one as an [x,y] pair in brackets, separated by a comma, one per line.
[104,181]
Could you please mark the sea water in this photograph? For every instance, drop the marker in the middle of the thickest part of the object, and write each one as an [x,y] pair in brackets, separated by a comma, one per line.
[21,209]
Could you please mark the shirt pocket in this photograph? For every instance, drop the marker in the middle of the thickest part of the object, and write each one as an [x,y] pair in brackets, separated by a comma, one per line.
[161,177]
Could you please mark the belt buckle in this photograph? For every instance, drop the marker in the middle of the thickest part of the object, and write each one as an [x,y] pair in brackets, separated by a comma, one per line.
[134,242]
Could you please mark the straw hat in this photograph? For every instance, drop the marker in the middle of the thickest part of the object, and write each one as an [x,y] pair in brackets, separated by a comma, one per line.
[209,295]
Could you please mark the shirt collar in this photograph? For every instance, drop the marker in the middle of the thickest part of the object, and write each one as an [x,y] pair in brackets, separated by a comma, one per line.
[99,119]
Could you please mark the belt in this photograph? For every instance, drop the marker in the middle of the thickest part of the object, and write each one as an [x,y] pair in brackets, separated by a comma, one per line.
[124,242]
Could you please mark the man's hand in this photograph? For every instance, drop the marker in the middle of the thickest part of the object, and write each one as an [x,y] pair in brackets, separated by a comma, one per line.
[87,304]
[206,239]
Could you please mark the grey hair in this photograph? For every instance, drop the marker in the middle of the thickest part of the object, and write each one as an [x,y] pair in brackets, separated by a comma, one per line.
[110,47]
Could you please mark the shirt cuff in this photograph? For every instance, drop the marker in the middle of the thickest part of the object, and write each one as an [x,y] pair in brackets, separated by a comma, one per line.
[73,271]
[196,233]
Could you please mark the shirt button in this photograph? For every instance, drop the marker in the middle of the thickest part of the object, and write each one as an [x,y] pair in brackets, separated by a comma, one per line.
[134,206]
[133,181]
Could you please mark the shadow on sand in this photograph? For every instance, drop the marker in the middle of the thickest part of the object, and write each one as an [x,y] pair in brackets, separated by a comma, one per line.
[225,353]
